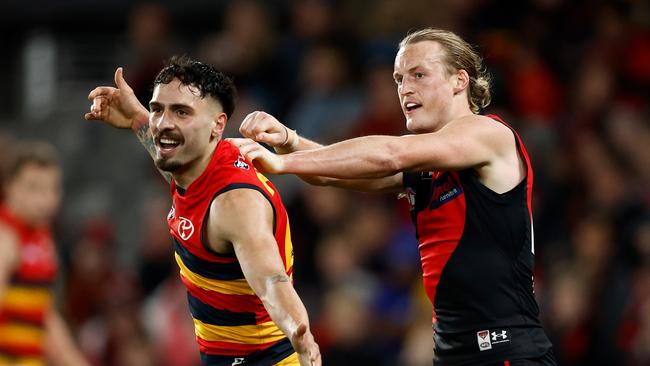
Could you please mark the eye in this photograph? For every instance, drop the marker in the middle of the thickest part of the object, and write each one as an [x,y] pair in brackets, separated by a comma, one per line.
[154,109]
[419,75]
[398,80]
[182,112]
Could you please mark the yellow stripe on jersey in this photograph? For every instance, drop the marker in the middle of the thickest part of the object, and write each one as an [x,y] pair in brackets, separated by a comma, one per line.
[265,181]
[292,360]
[20,334]
[243,334]
[21,361]
[231,287]
[27,298]
[288,248]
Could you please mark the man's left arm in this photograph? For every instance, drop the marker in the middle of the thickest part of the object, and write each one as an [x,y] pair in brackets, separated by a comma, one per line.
[59,344]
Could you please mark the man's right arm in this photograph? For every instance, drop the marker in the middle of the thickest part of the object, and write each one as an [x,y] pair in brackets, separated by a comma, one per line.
[244,218]
[262,127]
[120,108]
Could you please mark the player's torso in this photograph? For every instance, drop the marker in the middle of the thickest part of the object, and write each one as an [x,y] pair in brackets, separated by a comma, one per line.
[477,251]
[27,298]
[231,323]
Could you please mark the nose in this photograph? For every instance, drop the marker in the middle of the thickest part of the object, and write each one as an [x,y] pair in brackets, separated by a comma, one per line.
[404,88]
[162,122]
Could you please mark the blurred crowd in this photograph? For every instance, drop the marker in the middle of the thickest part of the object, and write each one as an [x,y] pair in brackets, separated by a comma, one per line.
[573,77]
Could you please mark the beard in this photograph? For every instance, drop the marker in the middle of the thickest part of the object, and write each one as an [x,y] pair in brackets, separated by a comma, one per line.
[168,165]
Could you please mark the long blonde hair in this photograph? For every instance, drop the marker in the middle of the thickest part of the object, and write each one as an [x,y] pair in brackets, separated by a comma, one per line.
[459,55]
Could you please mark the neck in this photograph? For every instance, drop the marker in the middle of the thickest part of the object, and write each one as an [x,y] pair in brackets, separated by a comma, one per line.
[459,109]
[184,177]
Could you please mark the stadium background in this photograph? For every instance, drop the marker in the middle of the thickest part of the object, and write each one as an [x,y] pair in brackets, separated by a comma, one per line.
[572,76]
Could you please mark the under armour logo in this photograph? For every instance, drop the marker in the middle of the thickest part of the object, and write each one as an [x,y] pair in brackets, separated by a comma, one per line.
[238,361]
[497,336]
[185,228]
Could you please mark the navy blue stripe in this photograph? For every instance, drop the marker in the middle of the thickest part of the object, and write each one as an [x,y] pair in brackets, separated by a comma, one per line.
[209,315]
[31,283]
[225,189]
[207,269]
[270,356]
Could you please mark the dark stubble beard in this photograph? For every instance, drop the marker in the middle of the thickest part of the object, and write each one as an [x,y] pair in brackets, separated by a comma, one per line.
[167,165]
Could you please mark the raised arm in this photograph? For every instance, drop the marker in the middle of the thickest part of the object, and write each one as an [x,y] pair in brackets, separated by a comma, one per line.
[263,127]
[244,218]
[120,108]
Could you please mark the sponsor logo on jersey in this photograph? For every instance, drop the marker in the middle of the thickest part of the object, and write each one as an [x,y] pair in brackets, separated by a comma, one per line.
[483,339]
[500,336]
[185,228]
[444,189]
[171,213]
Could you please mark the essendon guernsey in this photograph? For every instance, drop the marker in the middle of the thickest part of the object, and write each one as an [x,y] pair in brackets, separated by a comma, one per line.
[477,250]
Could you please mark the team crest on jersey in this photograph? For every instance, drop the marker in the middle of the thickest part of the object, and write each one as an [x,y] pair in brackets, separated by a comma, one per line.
[185,228]
[483,339]
[445,188]
[240,163]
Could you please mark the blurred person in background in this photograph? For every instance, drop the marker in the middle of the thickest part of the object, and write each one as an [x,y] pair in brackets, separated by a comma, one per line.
[32,331]
[231,231]
[469,182]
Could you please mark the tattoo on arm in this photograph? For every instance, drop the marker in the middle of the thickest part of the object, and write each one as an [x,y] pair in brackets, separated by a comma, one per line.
[279,278]
[146,139]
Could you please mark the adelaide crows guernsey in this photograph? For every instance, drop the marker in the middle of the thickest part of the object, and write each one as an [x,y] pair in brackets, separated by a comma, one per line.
[477,251]
[231,324]
[28,298]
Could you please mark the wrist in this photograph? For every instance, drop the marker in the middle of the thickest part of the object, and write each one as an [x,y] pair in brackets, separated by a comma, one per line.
[291,141]
[140,120]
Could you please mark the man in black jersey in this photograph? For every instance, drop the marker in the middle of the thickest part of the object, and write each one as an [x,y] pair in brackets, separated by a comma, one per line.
[469,182]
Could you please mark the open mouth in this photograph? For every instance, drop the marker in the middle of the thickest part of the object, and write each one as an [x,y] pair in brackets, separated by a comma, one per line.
[411,106]
[167,143]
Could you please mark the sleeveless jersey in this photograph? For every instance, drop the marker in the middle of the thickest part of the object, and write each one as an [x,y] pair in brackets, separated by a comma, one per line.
[231,324]
[477,252]
[27,298]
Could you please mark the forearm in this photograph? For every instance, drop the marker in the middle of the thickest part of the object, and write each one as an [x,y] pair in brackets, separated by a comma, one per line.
[283,305]
[60,346]
[364,157]
[299,143]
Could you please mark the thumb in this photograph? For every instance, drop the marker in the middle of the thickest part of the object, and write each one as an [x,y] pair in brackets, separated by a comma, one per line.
[119,79]
[268,138]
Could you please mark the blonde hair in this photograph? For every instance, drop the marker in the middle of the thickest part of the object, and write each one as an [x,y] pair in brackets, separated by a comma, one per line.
[459,55]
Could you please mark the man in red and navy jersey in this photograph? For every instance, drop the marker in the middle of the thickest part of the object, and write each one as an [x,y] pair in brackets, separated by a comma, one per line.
[230,228]
[32,331]
[469,182]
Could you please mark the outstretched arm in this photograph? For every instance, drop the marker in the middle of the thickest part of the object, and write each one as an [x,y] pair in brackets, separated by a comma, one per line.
[263,127]
[469,142]
[120,108]
[244,218]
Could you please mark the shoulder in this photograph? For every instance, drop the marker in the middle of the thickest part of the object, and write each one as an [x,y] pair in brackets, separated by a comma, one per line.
[488,131]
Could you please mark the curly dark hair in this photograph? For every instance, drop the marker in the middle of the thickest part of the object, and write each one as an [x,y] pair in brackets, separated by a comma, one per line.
[207,79]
